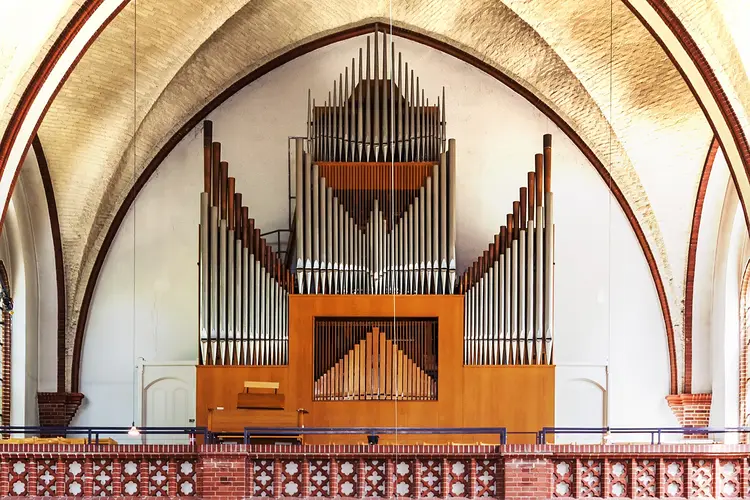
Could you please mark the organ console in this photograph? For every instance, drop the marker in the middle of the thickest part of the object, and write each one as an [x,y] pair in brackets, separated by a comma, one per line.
[374,214]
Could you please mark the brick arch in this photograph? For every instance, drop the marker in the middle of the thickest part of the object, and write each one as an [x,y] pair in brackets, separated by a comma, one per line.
[744,385]
[329,39]
[6,309]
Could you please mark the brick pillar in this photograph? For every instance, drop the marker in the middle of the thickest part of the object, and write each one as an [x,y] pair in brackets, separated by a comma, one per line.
[4,478]
[305,478]
[88,478]
[60,478]
[223,475]
[417,475]
[661,479]
[691,410]
[276,485]
[445,479]
[116,477]
[390,478]
[249,478]
[143,486]
[333,478]
[33,471]
[361,479]
[606,471]
[472,493]
[172,477]
[527,477]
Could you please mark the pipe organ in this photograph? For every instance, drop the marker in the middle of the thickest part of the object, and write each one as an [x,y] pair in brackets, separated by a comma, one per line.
[244,287]
[375,202]
[375,213]
[509,290]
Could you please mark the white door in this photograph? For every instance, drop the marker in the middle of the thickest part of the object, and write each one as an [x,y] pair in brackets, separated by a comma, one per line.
[168,400]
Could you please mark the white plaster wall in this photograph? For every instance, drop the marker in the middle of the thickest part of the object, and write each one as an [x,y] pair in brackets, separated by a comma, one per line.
[606,314]
[705,260]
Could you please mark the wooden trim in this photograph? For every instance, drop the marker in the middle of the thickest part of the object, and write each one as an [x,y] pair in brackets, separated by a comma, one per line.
[322,42]
[54,222]
[37,82]
[692,251]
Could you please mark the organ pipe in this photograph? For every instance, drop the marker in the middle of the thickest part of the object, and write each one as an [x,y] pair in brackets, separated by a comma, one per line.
[509,290]
[244,289]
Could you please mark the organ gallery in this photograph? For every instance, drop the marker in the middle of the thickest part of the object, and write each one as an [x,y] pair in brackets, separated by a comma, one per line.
[367,307]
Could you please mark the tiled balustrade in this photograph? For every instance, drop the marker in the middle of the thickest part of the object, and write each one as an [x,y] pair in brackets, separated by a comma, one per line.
[512,472]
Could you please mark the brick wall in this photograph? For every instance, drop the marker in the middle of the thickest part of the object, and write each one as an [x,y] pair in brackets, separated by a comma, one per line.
[691,410]
[508,472]
[57,409]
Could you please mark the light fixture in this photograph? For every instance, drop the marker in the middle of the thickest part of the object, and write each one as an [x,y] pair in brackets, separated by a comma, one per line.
[219,408]
[134,432]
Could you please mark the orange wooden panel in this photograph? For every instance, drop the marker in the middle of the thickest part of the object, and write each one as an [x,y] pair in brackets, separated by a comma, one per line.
[517,397]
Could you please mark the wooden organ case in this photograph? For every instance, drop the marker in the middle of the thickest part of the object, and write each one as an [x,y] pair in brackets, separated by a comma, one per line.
[368,322]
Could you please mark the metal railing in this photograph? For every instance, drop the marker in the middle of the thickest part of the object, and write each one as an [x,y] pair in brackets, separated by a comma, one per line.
[655,433]
[93,434]
[372,433]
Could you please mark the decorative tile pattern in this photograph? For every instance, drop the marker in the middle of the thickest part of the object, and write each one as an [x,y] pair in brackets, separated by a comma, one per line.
[18,478]
[157,477]
[591,479]
[45,471]
[701,479]
[102,478]
[562,477]
[319,478]
[291,478]
[645,479]
[458,481]
[618,479]
[131,478]
[348,478]
[263,478]
[728,476]
[403,478]
[674,478]
[431,475]
[486,482]
[374,478]
[74,478]
[186,478]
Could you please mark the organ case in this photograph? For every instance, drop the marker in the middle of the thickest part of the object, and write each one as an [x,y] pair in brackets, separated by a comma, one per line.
[375,216]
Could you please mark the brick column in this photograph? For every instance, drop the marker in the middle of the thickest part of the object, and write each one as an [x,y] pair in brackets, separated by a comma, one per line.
[88,478]
[172,477]
[60,478]
[361,479]
[143,486]
[4,478]
[606,486]
[417,475]
[249,478]
[390,478]
[116,477]
[527,477]
[445,479]
[472,493]
[276,482]
[33,471]
[223,475]
[691,410]
[305,478]
[333,478]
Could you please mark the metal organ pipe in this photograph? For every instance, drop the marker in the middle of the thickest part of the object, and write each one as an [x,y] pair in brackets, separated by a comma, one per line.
[509,290]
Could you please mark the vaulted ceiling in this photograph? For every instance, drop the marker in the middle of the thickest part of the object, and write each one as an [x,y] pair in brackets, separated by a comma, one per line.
[592,62]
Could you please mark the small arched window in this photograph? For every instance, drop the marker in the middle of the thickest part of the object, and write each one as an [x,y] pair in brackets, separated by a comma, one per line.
[744,388]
